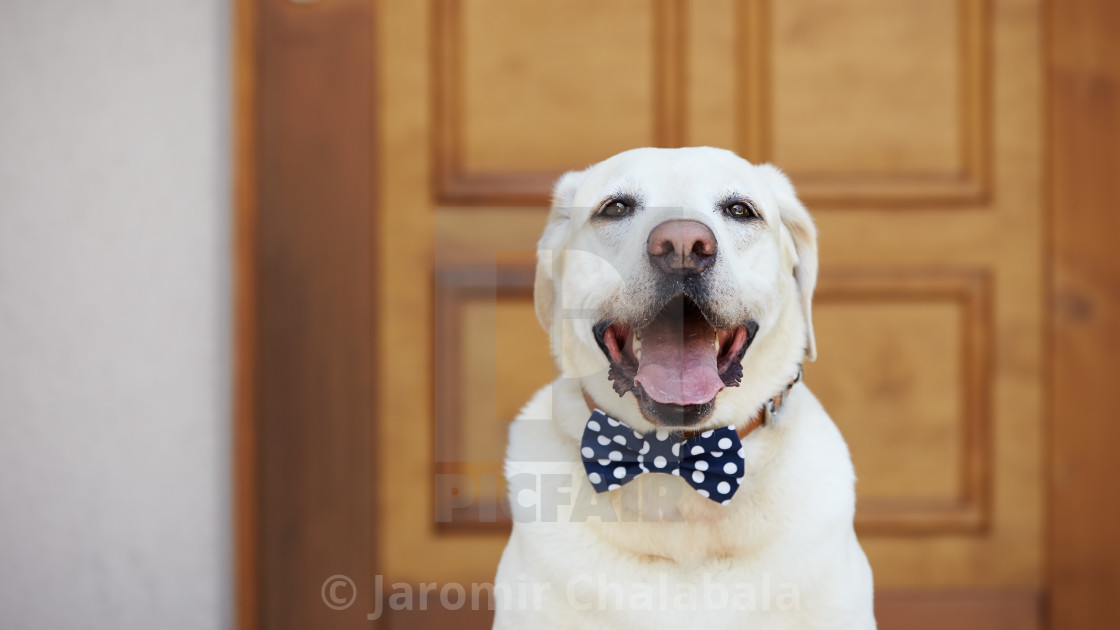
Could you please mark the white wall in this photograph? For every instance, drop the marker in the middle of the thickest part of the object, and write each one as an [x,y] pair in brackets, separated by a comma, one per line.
[114,314]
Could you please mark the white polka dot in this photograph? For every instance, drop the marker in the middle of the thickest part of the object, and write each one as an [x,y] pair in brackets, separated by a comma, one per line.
[620,439]
[604,462]
[725,443]
[707,434]
[619,472]
[645,448]
[662,435]
[730,468]
[604,440]
[660,461]
[742,453]
[731,426]
[677,449]
[677,472]
[723,487]
[717,453]
[615,456]
[612,421]
[587,452]
[641,458]
[697,476]
[696,450]
[738,481]
[637,435]
[613,486]
[594,478]
[594,426]
[701,465]
[702,492]
[726,502]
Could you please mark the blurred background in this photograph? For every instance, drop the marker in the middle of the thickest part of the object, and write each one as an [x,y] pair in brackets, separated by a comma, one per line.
[266,287]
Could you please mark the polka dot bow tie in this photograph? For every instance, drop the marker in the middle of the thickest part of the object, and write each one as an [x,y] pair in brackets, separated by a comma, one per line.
[614,455]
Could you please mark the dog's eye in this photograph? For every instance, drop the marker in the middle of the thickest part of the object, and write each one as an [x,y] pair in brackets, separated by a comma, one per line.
[616,208]
[740,210]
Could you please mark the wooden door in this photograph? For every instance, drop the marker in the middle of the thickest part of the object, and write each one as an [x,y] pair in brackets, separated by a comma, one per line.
[392,161]
[913,131]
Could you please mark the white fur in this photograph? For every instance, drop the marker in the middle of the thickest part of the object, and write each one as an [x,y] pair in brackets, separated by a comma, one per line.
[783,552]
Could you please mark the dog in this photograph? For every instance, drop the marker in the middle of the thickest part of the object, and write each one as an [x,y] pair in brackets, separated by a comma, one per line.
[676,286]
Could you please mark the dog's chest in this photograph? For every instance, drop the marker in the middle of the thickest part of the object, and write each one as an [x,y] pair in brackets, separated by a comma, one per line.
[663,518]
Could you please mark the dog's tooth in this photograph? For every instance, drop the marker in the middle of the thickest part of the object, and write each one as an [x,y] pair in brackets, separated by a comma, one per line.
[636,346]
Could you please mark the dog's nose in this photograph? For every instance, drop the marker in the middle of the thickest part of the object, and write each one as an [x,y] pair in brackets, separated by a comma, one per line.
[682,247]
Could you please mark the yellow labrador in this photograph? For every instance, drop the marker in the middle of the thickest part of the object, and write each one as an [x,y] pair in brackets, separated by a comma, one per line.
[677,474]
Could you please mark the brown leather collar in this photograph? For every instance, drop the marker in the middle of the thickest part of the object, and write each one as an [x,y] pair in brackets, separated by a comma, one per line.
[765,414]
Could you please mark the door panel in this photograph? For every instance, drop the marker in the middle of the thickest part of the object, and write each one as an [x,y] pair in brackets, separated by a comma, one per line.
[511,77]
[903,369]
[871,89]
[595,87]
[912,131]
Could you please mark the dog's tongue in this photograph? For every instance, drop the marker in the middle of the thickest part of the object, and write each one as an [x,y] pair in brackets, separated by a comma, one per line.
[678,359]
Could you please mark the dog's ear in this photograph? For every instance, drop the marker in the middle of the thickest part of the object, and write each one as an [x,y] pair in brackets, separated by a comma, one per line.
[548,247]
[803,236]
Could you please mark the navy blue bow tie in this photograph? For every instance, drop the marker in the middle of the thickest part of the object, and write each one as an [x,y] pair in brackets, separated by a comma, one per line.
[614,455]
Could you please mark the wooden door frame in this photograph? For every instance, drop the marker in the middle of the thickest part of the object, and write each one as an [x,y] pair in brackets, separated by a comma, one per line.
[305,141]
[282,259]
[1083,145]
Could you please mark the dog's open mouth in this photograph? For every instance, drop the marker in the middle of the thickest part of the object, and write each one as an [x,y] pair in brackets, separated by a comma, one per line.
[678,358]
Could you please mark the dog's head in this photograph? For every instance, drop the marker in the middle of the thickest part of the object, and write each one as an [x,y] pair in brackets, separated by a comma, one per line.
[676,284]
